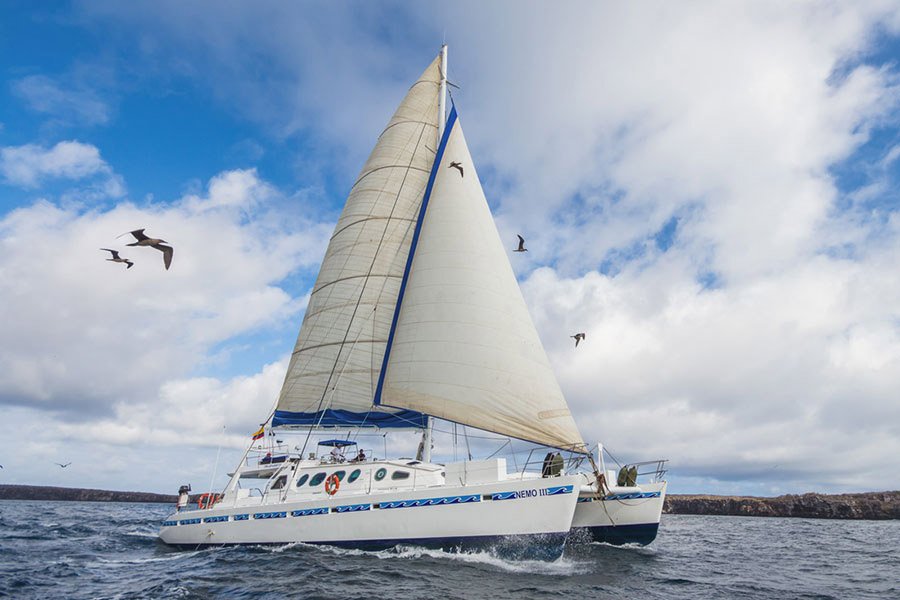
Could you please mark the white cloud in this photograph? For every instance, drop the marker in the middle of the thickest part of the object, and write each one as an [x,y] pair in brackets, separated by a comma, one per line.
[593,126]
[27,166]
[88,333]
[69,100]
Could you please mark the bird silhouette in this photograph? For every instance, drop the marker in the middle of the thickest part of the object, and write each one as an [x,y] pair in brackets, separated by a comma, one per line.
[116,258]
[458,167]
[63,465]
[521,247]
[143,240]
[578,337]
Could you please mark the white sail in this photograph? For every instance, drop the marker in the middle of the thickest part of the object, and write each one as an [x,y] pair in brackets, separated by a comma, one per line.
[464,347]
[338,356]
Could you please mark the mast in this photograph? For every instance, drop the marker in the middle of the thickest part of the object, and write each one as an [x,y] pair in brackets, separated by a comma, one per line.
[442,121]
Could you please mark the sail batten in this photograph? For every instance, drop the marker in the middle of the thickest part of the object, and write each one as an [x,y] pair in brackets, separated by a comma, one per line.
[337,359]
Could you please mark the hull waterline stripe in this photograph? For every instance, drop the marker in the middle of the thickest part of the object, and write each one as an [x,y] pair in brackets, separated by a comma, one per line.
[412,249]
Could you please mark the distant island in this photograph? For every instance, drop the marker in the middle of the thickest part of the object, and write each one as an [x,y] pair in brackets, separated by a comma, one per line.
[868,505]
[43,492]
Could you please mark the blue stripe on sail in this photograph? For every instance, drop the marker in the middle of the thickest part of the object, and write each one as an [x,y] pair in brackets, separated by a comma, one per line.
[412,248]
[345,418]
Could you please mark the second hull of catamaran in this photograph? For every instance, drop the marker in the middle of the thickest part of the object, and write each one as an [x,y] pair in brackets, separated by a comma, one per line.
[527,518]
[622,515]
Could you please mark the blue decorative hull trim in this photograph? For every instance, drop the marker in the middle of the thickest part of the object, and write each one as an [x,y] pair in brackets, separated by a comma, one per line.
[538,546]
[306,512]
[270,515]
[632,496]
[623,534]
[346,418]
[352,508]
[430,502]
[243,517]
[219,519]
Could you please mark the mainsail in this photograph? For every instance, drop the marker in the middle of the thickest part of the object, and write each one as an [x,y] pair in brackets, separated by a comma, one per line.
[463,347]
[334,369]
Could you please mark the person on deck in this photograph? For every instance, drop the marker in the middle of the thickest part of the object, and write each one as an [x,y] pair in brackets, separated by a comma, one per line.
[336,455]
[361,456]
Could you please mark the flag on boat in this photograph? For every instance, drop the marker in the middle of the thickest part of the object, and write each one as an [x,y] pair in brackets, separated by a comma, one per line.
[260,433]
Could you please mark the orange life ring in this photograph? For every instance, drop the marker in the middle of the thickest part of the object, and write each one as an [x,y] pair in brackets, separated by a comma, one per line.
[207,500]
[332,484]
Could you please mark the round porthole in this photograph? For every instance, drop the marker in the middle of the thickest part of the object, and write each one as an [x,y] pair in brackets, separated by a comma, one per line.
[302,479]
[380,473]
[340,475]
[354,476]
[317,479]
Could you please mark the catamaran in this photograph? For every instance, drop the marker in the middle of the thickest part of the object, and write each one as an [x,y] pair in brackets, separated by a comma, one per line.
[416,315]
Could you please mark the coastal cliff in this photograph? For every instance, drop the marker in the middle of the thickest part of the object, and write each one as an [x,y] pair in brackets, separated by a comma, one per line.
[869,505]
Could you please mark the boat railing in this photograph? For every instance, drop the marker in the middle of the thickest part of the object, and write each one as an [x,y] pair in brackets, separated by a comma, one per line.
[654,470]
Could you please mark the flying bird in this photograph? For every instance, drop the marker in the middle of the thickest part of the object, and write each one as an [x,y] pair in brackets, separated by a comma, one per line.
[521,247]
[458,167]
[117,258]
[63,465]
[578,337]
[143,240]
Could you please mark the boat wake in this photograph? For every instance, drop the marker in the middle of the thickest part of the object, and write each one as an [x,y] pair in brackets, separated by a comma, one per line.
[560,566]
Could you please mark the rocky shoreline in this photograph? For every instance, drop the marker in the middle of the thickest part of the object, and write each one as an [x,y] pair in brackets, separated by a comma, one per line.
[868,505]
[43,492]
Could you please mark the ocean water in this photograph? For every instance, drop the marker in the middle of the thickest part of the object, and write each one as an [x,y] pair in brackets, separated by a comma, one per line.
[97,550]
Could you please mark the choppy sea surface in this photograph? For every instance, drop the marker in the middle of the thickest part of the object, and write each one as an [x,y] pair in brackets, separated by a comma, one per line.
[110,550]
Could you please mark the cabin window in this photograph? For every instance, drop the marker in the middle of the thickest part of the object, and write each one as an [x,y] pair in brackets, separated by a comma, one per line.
[340,475]
[400,475]
[354,476]
[317,479]
[380,473]
[302,479]
[279,483]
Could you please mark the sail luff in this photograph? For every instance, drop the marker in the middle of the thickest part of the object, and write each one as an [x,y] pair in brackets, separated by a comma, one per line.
[412,250]
[463,346]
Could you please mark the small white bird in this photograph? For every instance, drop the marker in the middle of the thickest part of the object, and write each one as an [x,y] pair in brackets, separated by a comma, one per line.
[143,240]
[521,247]
[117,258]
[578,337]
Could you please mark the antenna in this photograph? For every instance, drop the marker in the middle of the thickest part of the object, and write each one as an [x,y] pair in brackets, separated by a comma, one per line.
[442,99]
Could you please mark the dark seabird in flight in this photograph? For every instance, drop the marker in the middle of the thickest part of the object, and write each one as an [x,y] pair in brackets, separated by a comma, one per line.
[521,247]
[578,337]
[458,167]
[143,240]
[63,465]
[117,258]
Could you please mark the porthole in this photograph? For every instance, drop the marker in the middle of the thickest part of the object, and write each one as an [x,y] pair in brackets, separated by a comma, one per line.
[380,473]
[400,475]
[317,479]
[354,476]
[302,479]
[340,475]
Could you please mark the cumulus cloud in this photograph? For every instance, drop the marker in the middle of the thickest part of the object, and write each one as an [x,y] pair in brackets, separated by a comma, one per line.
[88,334]
[672,169]
[29,165]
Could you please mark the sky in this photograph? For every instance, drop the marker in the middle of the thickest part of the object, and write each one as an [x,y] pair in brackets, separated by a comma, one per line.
[708,190]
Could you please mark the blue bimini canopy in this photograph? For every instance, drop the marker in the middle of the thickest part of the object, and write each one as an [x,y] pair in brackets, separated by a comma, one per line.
[337,443]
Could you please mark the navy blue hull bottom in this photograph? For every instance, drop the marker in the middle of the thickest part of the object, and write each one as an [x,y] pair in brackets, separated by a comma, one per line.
[535,546]
[623,534]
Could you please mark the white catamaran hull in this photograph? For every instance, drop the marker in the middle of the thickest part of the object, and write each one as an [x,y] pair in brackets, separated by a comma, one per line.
[623,516]
[520,519]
